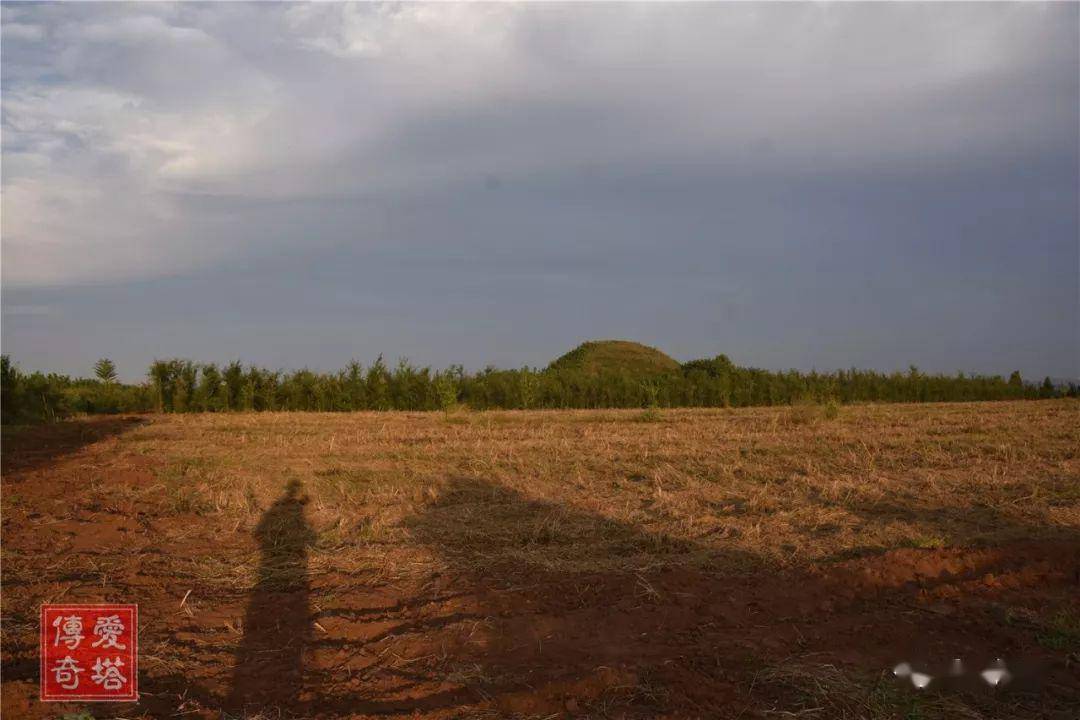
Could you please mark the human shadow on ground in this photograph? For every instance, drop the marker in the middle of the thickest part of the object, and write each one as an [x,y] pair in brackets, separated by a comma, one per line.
[543,608]
[533,600]
[269,670]
[33,447]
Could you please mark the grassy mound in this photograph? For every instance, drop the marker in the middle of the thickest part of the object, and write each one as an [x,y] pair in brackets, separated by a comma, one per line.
[616,355]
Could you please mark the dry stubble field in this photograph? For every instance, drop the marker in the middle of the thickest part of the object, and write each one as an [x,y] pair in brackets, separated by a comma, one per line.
[768,562]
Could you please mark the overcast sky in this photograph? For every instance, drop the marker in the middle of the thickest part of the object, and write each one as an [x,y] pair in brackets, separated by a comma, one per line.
[808,186]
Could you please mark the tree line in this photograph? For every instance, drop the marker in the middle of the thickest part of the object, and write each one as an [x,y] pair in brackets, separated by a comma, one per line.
[177,385]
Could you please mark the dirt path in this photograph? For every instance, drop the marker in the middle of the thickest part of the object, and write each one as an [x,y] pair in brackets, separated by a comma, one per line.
[667,641]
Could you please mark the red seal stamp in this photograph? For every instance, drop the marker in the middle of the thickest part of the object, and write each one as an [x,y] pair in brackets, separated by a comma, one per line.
[90,652]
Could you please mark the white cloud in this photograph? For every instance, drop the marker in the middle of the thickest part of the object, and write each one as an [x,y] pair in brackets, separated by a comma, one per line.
[124,109]
[22,31]
[133,30]
[407,31]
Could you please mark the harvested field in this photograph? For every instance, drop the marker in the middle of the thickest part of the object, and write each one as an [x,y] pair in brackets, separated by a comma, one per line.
[756,563]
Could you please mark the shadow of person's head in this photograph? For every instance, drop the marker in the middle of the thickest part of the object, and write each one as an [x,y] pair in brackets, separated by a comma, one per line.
[283,529]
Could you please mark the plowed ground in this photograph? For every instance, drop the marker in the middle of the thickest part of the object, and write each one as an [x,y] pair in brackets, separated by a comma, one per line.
[730,564]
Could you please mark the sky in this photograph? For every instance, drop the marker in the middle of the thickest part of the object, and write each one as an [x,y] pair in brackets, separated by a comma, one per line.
[796,186]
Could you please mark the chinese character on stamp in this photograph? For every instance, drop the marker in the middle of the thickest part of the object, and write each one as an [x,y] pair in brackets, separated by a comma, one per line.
[89,652]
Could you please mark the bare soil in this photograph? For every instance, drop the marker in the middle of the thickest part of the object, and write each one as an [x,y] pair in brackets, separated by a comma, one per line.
[748,564]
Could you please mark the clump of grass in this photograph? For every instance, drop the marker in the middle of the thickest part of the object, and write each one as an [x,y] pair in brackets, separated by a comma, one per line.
[180,499]
[929,542]
[115,499]
[649,415]
[809,411]
[1061,632]
[187,484]
[803,412]
[457,415]
[825,691]
[251,498]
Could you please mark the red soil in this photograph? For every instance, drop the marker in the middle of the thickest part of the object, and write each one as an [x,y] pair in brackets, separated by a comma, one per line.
[673,642]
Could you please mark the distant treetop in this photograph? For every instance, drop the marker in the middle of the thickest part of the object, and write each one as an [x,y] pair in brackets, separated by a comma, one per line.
[105,370]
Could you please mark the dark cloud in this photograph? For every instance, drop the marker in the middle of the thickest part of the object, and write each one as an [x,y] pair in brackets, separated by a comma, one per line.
[795,185]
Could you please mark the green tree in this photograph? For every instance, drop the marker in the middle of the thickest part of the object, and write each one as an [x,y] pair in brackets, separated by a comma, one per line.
[528,387]
[446,391]
[354,386]
[105,370]
[186,374]
[378,381]
[234,386]
[209,395]
[162,375]
[12,401]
